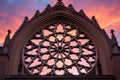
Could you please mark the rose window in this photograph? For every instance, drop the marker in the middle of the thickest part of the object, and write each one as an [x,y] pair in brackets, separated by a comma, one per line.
[59,50]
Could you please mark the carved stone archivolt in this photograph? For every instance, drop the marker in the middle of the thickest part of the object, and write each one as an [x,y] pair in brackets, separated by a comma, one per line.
[48,42]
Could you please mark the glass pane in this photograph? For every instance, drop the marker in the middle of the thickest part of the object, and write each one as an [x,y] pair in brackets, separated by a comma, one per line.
[59,50]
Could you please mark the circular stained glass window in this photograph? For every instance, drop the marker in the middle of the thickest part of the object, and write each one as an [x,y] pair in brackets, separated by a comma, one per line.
[59,50]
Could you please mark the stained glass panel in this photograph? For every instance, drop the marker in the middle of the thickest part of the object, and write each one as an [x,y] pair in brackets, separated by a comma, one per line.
[59,50]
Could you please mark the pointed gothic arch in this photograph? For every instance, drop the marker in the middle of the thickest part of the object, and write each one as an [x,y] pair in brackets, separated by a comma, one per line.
[59,13]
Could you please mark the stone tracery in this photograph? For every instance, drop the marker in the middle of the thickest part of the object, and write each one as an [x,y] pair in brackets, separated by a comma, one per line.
[59,50]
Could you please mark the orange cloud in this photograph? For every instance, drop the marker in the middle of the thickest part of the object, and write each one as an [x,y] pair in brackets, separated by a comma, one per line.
[108,18]
[4,26]
[104,17]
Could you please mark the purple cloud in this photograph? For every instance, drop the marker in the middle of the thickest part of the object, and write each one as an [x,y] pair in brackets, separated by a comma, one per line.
[12,12]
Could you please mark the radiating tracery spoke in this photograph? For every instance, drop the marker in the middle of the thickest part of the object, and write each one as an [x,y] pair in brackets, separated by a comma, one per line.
[59,50]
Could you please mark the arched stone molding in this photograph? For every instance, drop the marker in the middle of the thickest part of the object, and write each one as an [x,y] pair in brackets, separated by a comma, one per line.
[100,41]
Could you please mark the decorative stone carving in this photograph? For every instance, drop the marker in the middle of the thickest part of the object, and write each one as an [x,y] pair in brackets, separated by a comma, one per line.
[59,49]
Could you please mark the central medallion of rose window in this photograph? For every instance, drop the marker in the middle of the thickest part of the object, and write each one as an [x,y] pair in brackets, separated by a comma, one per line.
[59,50]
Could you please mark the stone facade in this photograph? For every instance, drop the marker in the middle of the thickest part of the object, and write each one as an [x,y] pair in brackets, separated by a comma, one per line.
[108,51]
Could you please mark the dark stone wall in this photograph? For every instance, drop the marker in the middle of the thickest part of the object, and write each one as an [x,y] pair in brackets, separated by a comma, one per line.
[116,65]
[91,77]
[3,64]
[1,48]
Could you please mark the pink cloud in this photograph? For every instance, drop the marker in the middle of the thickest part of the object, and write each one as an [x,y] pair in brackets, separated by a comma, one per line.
[35,1]
[106,14]
[107,17]
[103,16]
[6,24]
[116,27]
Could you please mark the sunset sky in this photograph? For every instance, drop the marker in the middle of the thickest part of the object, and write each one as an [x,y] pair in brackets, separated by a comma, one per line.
[12,13]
